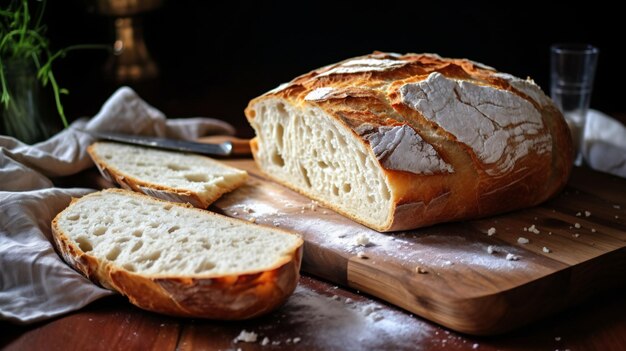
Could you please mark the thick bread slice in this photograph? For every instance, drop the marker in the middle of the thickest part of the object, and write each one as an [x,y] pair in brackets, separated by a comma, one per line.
[404,141]
[175,259]
[171,176]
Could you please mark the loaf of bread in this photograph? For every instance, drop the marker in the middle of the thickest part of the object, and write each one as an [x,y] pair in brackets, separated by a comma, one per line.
[167,175]
[175,259]
[404,141]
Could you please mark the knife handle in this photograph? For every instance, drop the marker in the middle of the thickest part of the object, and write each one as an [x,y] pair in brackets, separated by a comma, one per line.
[241,147]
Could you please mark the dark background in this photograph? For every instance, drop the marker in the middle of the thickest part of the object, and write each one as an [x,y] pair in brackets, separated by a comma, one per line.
[214,57]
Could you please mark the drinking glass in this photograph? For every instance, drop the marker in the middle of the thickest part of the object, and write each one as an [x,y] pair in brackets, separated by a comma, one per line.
[573,69]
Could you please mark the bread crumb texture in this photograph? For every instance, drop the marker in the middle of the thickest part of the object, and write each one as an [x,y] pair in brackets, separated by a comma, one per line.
[167,169]
[152,237]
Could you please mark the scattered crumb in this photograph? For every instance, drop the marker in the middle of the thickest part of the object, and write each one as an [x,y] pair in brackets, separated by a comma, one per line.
[288,341]
[376,316]
[578,214]
[265,341]
[324,212]
[275,343]
[348,300]
[475,346]
[616,217]
[252,220]
[335,297]
[575,235]
[522,240]
[491,249]
[296,340]
[512,257]
[577,225]
[491,231]
[448,263]
[362,255]
[533,229]
[362,240]
[525,229]
[587,213]
[246,336]
[593,230]
[557,338]
[420,270]
[617,207]
[549,233]
[546,250]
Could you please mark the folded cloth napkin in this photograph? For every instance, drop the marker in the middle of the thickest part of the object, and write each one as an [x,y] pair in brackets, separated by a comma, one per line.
[604,146]
[35,284]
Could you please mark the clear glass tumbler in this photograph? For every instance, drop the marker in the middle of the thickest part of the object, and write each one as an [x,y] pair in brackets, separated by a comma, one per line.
[573,69]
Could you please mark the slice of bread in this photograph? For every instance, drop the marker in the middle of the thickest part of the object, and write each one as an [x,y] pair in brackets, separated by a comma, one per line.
[171,176]
[175,259]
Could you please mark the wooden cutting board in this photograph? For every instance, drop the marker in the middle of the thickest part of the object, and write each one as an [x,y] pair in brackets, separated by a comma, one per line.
[445,273]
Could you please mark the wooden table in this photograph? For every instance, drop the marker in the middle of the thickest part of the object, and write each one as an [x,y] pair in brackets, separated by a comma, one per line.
[318,316]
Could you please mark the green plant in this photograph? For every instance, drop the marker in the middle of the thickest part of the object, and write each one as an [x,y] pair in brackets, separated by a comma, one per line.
[22,39]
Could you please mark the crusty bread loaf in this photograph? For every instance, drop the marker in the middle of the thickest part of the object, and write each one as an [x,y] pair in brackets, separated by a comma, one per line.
[403,141]
[175,259]
[168,175]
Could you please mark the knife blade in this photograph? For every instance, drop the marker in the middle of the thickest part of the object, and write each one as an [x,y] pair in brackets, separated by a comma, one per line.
[224,148]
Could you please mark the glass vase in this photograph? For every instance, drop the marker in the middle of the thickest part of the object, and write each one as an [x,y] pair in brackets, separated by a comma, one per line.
[24,116]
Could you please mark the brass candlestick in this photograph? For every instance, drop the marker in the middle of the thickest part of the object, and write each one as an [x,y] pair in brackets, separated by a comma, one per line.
[131,61]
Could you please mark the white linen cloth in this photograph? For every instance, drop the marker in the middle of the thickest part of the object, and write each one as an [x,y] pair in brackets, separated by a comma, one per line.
[605,144]
[35,284]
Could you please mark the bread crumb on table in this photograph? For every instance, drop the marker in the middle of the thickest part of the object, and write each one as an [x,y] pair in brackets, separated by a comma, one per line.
[522,240]
[575,235]
[362,240]
[246,336]
[362,255]
[491,249]
[296,340]
[546,250]
[421,270]
[512,257]
[491,231]
[533,229]
[577,225]
[265,341]
[578,214]
[587,213]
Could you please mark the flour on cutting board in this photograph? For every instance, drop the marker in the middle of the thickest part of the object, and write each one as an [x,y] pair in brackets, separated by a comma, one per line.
[274,205]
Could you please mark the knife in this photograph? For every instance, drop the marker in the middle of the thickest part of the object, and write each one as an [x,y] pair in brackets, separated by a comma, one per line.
[228,146]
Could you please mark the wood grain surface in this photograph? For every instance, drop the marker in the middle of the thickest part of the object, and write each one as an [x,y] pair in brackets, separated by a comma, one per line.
[323,317]
[577,246]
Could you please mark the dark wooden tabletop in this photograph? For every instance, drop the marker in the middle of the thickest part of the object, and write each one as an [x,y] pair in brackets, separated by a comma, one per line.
[319,316]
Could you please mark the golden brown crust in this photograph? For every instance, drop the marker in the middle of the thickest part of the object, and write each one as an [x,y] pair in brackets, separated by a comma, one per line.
[230,297]
[357,96]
